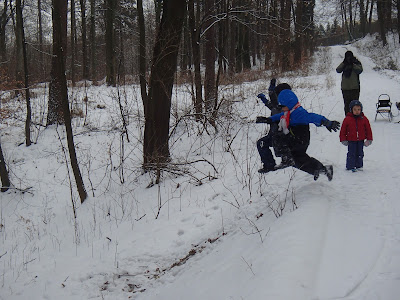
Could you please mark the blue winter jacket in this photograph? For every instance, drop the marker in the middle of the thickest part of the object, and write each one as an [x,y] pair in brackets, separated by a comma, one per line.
[299,116]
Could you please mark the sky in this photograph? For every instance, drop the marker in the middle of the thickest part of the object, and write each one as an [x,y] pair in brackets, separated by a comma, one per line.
[213,228]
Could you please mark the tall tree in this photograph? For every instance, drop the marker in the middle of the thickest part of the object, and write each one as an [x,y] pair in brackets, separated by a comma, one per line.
[142,53]
[110,41]
[73,42]
[92,38]
[19,67]
[5,181]
[59,17]
[4,17]
[381,9]
[156,132]
[40,33]
[85,67]
[26,75]
[195,38]
[56,86]
[209,75]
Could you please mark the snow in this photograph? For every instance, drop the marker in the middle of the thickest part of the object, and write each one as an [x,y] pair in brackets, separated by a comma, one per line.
[227,233]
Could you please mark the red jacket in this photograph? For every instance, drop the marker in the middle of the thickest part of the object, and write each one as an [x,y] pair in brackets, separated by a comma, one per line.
[355,128]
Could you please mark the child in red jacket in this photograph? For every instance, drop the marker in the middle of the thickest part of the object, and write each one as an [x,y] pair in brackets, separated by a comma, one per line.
[355,133]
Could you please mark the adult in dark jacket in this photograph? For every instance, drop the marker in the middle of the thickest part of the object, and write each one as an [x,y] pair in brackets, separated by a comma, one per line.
[355,134]
[351,69]
[294,123]
[271,139]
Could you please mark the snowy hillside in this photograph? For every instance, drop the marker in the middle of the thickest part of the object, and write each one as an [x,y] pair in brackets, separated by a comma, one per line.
[213,228]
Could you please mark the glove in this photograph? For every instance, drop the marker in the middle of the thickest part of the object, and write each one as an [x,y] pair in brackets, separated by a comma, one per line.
[356,61]
[345,143]
[272,85]
[263,98]
[367,143]
[331,125]
[263,120]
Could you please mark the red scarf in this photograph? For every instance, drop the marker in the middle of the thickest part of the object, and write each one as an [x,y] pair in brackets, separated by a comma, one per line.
[285,119]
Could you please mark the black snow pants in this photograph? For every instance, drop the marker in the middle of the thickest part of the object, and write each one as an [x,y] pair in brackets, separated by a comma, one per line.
[297,141]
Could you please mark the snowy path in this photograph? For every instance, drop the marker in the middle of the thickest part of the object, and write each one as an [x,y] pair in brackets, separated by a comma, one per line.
[343,241]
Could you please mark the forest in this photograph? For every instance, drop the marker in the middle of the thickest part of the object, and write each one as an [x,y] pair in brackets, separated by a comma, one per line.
[158,44]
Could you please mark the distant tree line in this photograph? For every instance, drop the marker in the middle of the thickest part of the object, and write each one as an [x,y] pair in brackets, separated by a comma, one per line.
[357,18]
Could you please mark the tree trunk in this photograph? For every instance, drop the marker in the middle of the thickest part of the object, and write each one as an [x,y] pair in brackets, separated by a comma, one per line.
[59,36]
[56,86]
[142,54]
[73,42]
[40,34]
[110,42]
[19,67]
[195,37]
[5,181]
[363,18]
[85,66]
[93,39]
[382,20]
[398,18]
[3,23]
[209,76]
[25,64]
[156,132]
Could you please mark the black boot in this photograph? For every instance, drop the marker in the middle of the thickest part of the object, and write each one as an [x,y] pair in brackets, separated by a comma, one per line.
[327,170]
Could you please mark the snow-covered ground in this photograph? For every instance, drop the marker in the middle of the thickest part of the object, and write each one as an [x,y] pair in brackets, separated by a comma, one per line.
[213,228]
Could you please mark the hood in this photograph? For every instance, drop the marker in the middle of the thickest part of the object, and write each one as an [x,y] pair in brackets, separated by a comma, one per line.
[288,98]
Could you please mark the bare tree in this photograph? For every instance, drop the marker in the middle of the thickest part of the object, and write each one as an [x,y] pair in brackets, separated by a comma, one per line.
[142,53]
[209,76]
[5,181]
[382,17]
[92,38]
[20,27]
[195,38]
[156,132]
[4,17]
[85,67]
[110,41]
[58,71]
[56,86]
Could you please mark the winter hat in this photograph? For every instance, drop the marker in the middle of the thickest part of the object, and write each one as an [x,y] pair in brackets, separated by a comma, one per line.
[348,55]
[288,98]
[282,86]
[355,103]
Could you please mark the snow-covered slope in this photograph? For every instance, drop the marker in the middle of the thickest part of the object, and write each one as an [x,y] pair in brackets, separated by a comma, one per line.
[213,238]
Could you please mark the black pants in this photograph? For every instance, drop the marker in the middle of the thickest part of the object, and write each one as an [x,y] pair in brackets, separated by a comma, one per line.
[297,141]
[348,96]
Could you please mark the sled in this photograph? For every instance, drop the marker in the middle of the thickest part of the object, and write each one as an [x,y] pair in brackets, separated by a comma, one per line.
[384,107]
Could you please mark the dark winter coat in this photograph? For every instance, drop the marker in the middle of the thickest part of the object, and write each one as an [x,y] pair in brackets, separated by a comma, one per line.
[354,69]
[355,128]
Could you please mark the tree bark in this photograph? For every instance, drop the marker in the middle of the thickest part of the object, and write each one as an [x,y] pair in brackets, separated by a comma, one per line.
[26,74]
[195,37]
[19,67]
[142,54]
[93,39]
[59,35]
[5,181]
[85,66]
[209,76]
[3,23]
[56,86]
[156,132]
[73,42]
[382,20]
[110,42]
